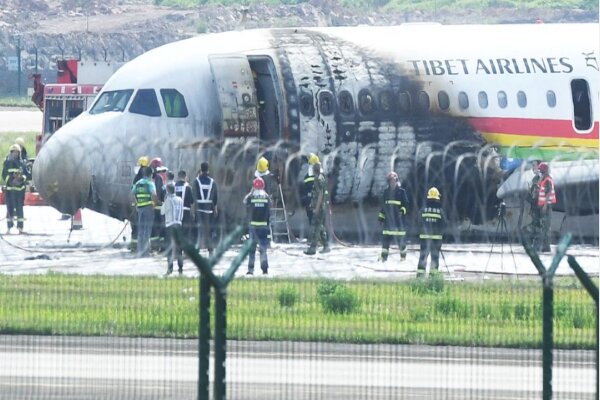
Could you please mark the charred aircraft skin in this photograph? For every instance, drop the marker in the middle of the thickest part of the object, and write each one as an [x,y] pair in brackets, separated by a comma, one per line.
[284,93]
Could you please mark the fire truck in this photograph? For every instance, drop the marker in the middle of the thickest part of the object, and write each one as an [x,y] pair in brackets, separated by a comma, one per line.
[76,87]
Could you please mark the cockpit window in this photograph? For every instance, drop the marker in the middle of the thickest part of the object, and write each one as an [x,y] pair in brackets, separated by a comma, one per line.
[115,100]
[174,103]
[145,103]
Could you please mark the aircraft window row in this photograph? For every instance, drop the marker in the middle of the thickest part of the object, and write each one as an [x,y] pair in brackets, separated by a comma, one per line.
[114,100]
[387,102]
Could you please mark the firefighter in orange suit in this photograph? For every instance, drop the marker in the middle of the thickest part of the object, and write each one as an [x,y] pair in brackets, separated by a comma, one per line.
[546,198]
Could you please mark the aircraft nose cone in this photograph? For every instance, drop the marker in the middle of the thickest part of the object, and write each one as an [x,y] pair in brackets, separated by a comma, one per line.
[62,175]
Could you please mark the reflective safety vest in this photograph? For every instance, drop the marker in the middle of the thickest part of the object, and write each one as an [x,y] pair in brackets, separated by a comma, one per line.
[143,197]
[181,190]
[550,197]
[260,211]
[432,220]
[204,202]
[14,174]
[16,180]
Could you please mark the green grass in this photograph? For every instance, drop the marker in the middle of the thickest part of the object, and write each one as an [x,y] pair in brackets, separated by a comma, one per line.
[17,101]
[7,139]
[506,314]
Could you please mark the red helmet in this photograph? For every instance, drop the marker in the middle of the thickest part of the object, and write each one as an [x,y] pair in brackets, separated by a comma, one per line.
[258,184]
[155,163]
[543,168]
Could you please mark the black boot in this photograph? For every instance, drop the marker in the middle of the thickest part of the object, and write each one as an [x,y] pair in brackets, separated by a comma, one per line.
[310,251]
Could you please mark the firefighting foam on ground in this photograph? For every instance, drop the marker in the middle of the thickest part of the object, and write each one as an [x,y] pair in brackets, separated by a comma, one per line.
[99,248]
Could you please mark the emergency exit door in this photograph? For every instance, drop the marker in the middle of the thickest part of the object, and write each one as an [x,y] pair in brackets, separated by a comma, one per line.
[237,95]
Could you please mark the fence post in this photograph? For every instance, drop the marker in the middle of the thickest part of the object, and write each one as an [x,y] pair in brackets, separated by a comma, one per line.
[220,344]
[208,279]
[220,388]
[547,308]
[203,339]
[588,284]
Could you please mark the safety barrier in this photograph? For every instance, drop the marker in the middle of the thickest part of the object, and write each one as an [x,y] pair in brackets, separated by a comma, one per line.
[31,199]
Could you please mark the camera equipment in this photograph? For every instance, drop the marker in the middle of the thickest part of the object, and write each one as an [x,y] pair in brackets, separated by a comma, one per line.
[501,210]
[502,231]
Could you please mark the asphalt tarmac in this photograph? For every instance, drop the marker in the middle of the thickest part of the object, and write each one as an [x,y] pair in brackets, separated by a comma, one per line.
[42,367]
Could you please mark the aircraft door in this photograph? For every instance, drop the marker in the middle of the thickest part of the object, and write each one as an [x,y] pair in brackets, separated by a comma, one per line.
[582,107]
[237,95]
[268,97]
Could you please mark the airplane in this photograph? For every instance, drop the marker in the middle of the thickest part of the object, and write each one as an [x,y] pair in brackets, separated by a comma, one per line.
[460,107]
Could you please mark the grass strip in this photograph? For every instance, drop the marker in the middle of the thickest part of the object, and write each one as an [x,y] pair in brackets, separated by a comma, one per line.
[498,313]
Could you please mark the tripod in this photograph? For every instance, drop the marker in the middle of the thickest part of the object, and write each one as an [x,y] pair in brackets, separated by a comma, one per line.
[501,230]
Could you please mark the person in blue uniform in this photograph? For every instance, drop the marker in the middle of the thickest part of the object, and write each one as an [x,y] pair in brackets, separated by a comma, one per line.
[205,207]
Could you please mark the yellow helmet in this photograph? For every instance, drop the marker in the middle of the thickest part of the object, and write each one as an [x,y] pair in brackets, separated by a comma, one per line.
[433,193]
[20,141]
[15,147]
[262,165]
[313,159]
[143,161]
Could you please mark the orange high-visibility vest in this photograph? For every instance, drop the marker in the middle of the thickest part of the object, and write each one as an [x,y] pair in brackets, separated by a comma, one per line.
[542,194]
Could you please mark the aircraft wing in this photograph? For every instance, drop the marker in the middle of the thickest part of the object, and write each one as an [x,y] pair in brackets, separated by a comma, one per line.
[564,173]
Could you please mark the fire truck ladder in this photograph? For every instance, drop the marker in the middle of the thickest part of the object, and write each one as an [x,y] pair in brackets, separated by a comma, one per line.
[280,228]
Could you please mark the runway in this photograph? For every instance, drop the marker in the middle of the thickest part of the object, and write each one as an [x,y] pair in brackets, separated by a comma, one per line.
[75,368]
[90,368]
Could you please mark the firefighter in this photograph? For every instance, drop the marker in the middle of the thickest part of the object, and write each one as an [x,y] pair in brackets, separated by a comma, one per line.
[15,177]
[534,209]
[157,238]
[205,207]
[432,226]
[257,202]
[262,171]
[318,205]
[142,163]
[546,198]
[144,193]
[184,191]
[307,184]
[391,217]
[172,209]
[21,144]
